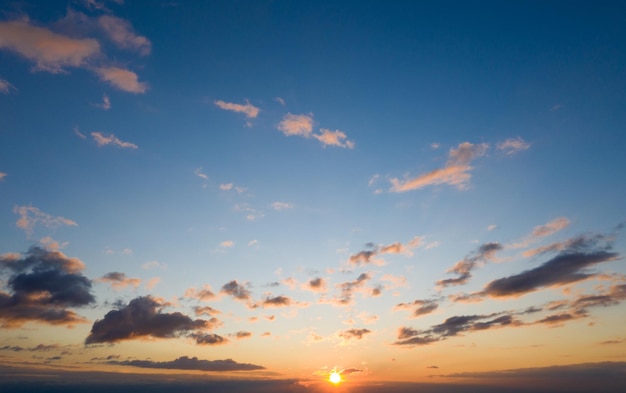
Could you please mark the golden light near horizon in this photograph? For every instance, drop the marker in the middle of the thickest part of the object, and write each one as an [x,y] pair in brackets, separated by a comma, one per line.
[335,377]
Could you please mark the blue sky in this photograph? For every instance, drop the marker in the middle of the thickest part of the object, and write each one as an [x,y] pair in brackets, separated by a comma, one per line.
[366,187]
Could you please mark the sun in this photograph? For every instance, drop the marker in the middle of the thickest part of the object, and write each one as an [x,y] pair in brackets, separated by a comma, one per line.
[334,377]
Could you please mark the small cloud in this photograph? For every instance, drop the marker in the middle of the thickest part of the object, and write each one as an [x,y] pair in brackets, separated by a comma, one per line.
[119,280]
[79,134]
[253,243]
[280,101]
[106,103]
[153,265]
[198,172]
[333,138]
[6,87]
[373,180]
[226,186]
[236,290]
[103,140]
[121,33]
[354,334]
[556,107]
[551,227]
[512,146]
[2,176]
[227,244]
[454,173]
[435,145]
[492,227]
[241,335]
[31,216]
[151,283]
[282,205]
[248,109]
[301,125]
[122,79]
[205,294]
[208,339]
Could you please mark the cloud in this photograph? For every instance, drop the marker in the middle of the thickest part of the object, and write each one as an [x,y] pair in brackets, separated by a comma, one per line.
[208,339]
[2,176]
[455,173]
[227,244]
[564,268]
[419,307]
[280,100]
[282,205]
[31,216]
[153,265]
[242,334]
[5,86]
[205,310]
[368,256]
[248,109]
[103,140]
[121,33]
[187,363]
[513,145]
[106,103]
[347,290]
[333,138]
[142,317]
[354,334]
[277,301]
[551,227]
[236,290]
[119,280]
[49,51]
[122,79]
[317,284]
[463,268]
[42,286]
[301,125]
[453,326]
[205,294]
[198,172]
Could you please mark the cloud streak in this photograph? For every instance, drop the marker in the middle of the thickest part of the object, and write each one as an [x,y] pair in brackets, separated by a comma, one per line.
[247,109]
[193,363]
[103,140]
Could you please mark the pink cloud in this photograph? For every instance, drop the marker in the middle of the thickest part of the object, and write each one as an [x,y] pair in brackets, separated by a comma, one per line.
[122,79]
[301,125]
[248,109]
[103,140]
[121,32]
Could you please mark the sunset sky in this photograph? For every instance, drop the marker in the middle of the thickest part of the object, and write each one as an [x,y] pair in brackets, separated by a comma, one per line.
[252,194]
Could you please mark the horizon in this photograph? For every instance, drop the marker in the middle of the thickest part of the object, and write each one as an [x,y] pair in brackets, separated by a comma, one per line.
[352,196]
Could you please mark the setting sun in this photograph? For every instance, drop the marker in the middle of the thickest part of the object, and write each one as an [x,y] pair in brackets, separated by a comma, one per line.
[335,377]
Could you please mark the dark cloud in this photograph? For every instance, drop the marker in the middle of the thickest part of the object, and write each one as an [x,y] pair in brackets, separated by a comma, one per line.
[206,310]
[317,284]
[563,269]
[42,286]
[347,290]
[419,307]
[208,339]
[187,363]
[37,348]
[242,334]
[349,371]
[236,290]
[463,268]
[142,317]
[453,326]
[119,280]
[278,301]
[354,334]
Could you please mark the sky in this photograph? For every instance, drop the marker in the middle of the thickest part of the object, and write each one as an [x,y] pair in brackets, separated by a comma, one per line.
[256,195]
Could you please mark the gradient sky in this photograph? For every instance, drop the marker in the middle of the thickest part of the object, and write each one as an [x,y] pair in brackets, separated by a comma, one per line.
[400,191]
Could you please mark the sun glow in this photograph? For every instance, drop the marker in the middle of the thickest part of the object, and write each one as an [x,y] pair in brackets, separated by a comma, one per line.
[335,377]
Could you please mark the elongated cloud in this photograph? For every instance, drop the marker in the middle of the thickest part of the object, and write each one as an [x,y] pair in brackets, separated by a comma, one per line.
[119,280]
[121,33]
[334,138]
[142,317]
[463,268]
[248,109]
[369,256]
[208,339]
[42,286]
[2,176]
[6,87]
[103,140]
[187,363]
[512,146]
[354,334]
[49,51]
[31,216]
[563,269]
[551,227]
[419,307]
[122,79]
[347,290]
[455,173]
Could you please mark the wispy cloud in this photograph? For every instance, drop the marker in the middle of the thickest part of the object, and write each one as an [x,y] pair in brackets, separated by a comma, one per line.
[419,307]
[2,176]
[110,139]
[5,86]
[513,145]
[280,100]
[369,256]
[105,104]
[547,229]
[121,33]
[455,173]
[49,51]
[282,205]
[248,109]
[463,268]
[122,79]
[187,363]
[31,216]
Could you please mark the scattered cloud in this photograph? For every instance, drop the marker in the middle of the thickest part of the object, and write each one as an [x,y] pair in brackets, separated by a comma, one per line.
[354,334]
[142,317]
[301,125]
[42,286]
[280,101]
[513,145]
[492,227]
[106,103]
[242,334]
[208,339]
[187,363]
[49,51]
[103,140]
[282,205]
[227,244]
[236,290]
[6,87]
[248,109]
[463,268]
[122,79]
[419,307]
[347,290]
[455,173]
[121,33]
[551,227]
[205,294]
[153,265]
[31,216]
[2,176]
[369,256]
[198,172]
[317,284]
[333,138]
[119,280]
